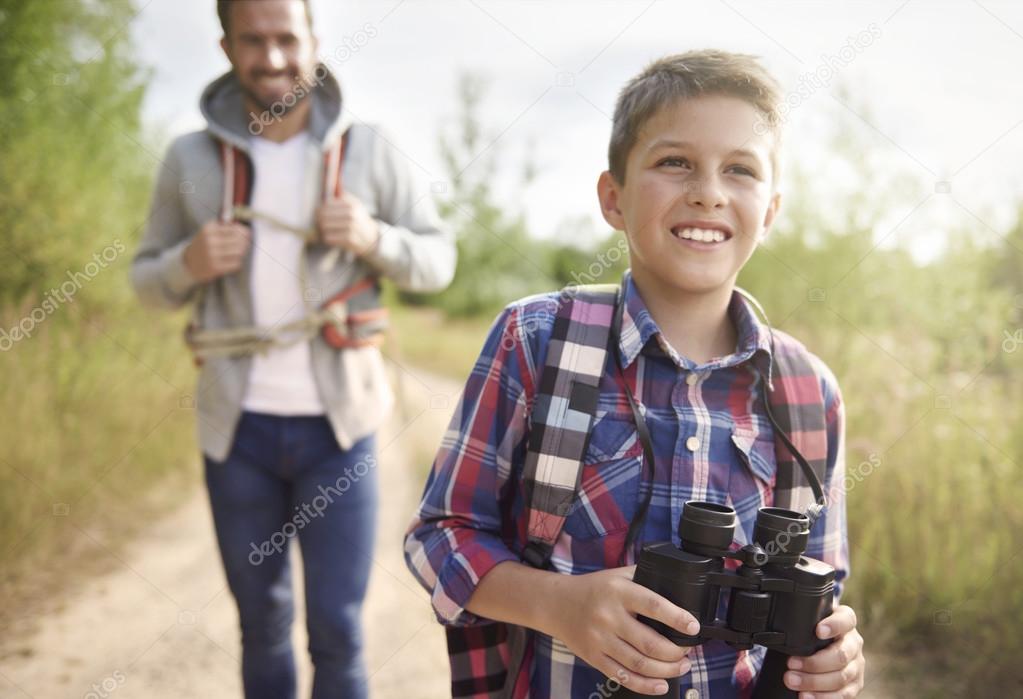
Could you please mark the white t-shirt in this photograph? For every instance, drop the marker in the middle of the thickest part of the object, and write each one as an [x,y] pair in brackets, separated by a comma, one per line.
[281,380]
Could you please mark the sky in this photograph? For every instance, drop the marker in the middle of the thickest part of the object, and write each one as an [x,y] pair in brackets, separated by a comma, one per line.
[929,88]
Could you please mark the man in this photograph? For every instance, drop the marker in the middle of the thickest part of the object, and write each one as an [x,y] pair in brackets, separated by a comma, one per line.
[288,409]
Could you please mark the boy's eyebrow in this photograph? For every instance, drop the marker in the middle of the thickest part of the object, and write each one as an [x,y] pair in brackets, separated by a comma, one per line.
[669,143]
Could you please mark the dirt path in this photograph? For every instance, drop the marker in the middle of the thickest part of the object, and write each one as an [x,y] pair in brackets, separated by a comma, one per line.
[163,623]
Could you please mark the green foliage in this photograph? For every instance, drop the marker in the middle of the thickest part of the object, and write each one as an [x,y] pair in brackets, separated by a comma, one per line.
[95,397]
[498,261]
[71,143]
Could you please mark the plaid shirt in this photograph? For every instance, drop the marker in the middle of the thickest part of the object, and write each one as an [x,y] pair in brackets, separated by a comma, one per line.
[711,442]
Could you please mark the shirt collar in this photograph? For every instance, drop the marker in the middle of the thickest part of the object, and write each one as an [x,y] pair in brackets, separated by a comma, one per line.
[639,327]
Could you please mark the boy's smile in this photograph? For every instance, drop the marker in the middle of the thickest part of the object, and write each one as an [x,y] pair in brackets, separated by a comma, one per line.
[697,198]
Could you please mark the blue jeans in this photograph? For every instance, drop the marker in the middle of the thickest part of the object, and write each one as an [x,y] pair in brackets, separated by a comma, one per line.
[288,477]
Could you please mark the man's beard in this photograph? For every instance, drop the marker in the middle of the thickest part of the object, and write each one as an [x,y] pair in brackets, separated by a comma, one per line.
[278,107]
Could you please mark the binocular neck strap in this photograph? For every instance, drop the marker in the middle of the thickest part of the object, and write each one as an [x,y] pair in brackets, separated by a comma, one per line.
[642,430]
[820,500]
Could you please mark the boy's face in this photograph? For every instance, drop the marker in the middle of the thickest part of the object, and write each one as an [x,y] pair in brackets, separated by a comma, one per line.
[698,195]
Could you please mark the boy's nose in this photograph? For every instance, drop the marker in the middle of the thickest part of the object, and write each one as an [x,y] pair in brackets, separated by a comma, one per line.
[705,192]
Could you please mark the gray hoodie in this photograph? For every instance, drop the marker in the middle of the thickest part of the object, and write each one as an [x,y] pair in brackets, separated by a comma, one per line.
[415,251]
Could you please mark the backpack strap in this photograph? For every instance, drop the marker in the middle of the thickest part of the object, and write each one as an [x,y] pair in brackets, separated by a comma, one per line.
[351,318]
[563,413]
[560,423]
[237,169]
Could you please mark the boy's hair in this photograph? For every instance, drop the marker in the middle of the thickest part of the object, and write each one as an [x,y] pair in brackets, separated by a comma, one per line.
[224,13]
[687,75]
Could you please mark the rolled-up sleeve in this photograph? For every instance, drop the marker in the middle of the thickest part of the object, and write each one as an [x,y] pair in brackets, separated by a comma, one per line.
[456,536]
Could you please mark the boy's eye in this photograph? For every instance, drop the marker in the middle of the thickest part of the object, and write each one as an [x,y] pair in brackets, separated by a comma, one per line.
[673,161]
[742,169]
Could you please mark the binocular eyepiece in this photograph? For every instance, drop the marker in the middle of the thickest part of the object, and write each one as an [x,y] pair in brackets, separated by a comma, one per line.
[707,528]
[776,596]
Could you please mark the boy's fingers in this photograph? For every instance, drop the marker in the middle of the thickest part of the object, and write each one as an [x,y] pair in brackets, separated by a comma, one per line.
[841,621]
[652,605]
[641,664]
[825,681]
[631,680]
[834,657]
[652,644]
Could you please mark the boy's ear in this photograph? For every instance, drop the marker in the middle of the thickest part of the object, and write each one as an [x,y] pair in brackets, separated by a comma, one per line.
[608,193]
[772,211]
[226,48]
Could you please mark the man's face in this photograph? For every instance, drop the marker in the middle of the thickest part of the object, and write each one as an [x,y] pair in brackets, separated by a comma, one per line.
[271,48]
[697,196]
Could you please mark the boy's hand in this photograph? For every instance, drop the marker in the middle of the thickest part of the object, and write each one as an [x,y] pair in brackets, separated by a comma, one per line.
[595,615]
[345,223]
[836,672]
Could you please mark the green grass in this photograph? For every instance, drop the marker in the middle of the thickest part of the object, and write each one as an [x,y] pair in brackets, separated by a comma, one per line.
[98,435]
[426,339]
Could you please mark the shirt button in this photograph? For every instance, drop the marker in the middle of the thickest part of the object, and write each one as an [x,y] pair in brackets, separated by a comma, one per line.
[692,378]
[692,444]
[692,694]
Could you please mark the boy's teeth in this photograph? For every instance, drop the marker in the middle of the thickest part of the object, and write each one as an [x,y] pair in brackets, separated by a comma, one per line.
[701,235]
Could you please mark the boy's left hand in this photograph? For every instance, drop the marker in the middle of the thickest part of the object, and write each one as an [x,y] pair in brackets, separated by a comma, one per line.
[836,672]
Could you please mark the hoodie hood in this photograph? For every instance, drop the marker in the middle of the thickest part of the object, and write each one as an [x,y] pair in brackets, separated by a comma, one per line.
[223,105]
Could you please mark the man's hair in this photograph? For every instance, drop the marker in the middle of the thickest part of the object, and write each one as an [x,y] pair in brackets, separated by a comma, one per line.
[224,12]
[670,79]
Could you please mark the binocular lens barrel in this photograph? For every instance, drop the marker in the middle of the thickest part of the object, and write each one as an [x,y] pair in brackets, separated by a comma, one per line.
[706,528]
[783,534]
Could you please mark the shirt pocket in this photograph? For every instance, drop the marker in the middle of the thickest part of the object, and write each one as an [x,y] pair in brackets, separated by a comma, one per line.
[605,500]
[755,452]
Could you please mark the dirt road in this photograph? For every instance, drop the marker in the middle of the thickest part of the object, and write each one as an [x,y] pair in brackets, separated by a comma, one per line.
[162,624]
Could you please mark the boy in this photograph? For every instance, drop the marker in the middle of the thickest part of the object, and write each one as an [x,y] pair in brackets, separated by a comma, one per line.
[692,183]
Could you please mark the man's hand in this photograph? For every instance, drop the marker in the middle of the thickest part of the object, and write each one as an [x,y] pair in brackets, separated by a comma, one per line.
[217,249]
[595,615]
[835,672]
[345,223]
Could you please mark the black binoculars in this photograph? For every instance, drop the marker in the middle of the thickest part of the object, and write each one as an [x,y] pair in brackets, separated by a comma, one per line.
[776,597]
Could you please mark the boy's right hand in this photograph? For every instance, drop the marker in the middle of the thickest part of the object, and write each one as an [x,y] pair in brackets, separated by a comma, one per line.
[595,616]
[217,249]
